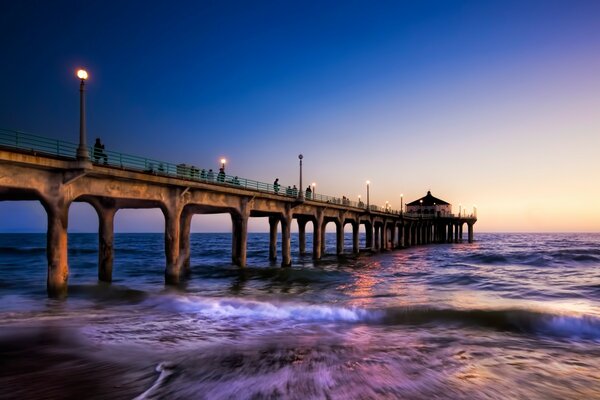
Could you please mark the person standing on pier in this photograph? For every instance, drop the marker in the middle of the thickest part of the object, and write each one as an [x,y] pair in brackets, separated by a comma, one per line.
[99,152]
[276,185]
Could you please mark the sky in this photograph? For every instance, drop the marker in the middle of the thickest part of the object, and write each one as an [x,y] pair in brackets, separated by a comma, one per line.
[487,103]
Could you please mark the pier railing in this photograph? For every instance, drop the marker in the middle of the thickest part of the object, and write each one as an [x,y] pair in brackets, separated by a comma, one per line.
[43,145]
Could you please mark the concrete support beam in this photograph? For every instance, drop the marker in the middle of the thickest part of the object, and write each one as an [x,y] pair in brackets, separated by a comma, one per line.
[56,248]
[302,235]
[273,221]
[172,215]
[355,237]
[184,241]
[323,238]
[460,232]
[286,250]
[455,233]
[377,237]
[239,240]
[339,238]
[384,236]
[470,227]
[318,237]
[106,235]
[369,236]
[393,235]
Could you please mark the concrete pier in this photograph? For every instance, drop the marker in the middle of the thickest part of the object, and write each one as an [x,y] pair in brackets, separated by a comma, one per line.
[57,182]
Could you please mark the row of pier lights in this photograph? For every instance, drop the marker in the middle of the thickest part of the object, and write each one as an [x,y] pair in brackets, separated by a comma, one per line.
[83,155]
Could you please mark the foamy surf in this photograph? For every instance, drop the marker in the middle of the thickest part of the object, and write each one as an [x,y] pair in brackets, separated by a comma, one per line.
[223,308]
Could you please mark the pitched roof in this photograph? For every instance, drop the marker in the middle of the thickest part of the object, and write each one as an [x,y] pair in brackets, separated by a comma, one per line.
[428,201]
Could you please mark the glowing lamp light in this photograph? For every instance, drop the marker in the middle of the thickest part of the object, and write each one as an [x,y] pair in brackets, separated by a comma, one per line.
[368,182]
[223,161]
[82,74]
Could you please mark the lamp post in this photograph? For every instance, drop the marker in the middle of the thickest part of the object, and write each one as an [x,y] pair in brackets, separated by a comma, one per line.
[300,191]
[223,162]
[421,206]
[82,151]
[368,203]
[313,187]
[401,203]
[474,210]
[459,209]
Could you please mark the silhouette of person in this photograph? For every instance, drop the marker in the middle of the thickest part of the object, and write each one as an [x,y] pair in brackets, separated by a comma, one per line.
[211,175]
[308,192]
[99,152]
[276,185]
[221,175]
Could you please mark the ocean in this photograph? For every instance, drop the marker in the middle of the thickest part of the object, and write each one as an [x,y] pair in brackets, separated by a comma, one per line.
[511,316]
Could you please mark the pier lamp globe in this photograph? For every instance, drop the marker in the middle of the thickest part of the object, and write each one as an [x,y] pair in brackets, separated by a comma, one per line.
[401,203]
[368,202]
[313,186]
[82,151]
[82,74]
[223,162]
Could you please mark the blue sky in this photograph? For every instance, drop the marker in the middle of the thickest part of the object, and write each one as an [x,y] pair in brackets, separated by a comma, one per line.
[487,103]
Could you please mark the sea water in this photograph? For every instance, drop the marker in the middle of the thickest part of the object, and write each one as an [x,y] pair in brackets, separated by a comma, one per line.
[509,316]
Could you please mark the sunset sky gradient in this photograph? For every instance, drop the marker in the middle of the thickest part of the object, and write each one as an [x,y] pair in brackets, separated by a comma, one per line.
[489,103]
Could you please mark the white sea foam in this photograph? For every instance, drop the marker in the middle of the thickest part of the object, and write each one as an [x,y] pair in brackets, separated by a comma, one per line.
[220,308]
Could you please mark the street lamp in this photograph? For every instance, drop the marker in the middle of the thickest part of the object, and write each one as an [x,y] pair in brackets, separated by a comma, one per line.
[401,203]
[474,210]
[368,203]
[313,188]
[223,162]
[387,205]
[82,151]
[421,206]
[459,209]
[300,191]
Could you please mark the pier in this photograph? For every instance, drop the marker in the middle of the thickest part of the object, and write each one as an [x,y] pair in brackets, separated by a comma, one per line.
[56,174]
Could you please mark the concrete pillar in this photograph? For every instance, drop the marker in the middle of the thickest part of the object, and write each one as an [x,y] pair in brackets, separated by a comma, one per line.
[286,250]
[239,238]
[400,236]
[369,235]
[460,232]
[455,233]
[302,235]
[416,236]
[450,232]
[317,237]
[323,238]
[56,248]
[429,232]
[172,215]
[106,234]
[185,223]
[339,238]
[407,235]
[393,235]
[355,237]
[377,237]
[470,227]
[273,221]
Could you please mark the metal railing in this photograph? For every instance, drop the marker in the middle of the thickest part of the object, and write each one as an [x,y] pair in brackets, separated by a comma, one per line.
[46,146]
